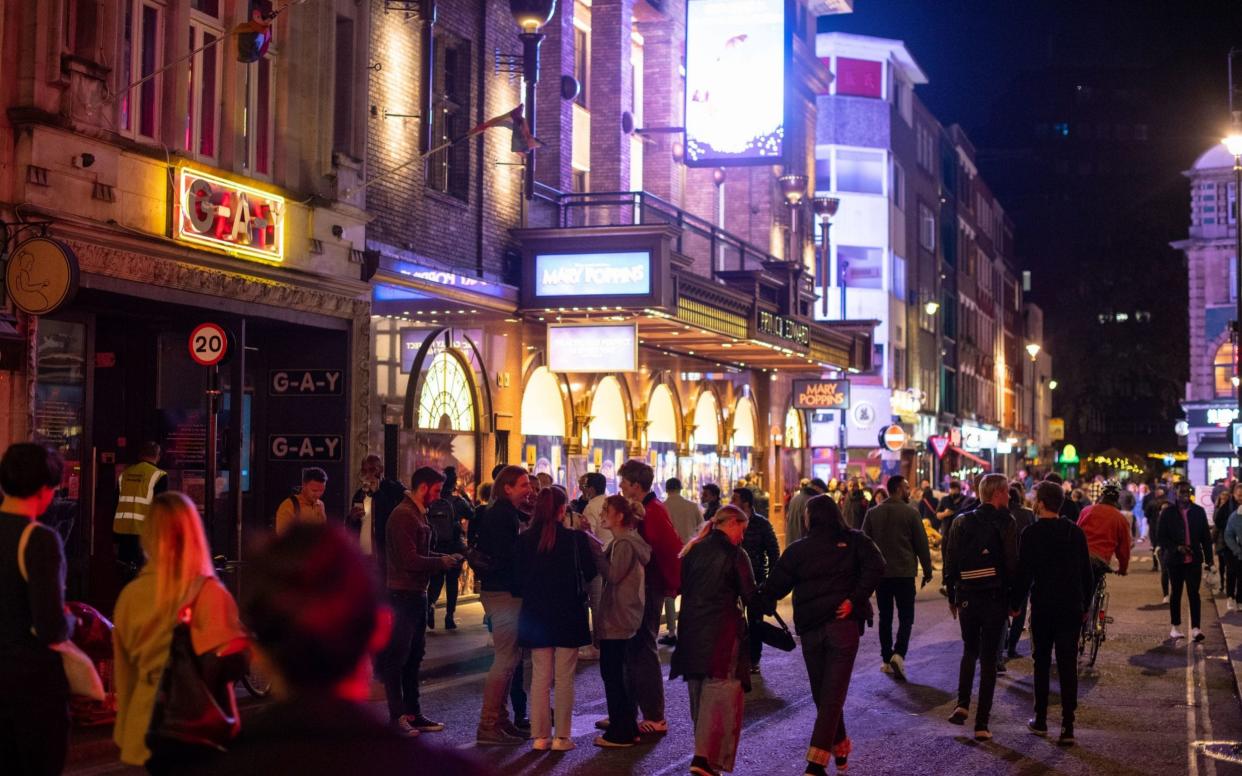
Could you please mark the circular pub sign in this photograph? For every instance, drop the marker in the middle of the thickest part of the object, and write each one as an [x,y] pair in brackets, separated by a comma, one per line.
[209,344]
[894,437]
[41,276]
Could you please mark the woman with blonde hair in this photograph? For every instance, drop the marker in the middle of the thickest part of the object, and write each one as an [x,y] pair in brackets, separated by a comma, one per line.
[178,573]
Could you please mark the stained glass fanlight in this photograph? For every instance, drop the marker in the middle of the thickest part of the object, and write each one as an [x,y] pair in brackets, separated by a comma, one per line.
[446,402]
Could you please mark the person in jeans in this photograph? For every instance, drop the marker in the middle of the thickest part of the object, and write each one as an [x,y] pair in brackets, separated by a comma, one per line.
[687,516]
[762,548]
[553,566]
[832,572]
[710,653]
[445,515]
[621,609]
[411,562]
[1185,546]
[1023,519]
[1054,570]
[34,705]
[663,578]
[496,538]
[1228,569]
[980,566]
[897,530]
[311,602]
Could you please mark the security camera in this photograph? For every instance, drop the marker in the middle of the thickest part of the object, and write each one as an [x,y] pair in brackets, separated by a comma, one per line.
[83,160]
[338,231]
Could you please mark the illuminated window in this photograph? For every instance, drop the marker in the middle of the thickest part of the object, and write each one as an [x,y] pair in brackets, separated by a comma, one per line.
[142,54]
[794,433]
[448,171]
[203,95]
[860,171]
[1223,367]
[446,401]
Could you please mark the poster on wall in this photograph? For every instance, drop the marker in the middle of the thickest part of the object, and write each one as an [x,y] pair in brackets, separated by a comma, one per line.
[735,77]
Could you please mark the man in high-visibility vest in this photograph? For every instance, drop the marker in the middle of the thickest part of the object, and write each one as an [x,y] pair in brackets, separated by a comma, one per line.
[137,486]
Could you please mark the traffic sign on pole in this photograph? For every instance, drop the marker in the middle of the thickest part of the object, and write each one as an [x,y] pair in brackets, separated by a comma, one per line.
[893,437]
[209,344]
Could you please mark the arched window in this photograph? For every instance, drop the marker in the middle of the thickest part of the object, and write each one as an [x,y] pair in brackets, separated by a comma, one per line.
[1223,370]
[447,399]
[794,436]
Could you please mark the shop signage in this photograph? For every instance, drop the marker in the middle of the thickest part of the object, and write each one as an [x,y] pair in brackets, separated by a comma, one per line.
[821,394]
[1056,428]
[306,382]
[209,344]
[624,273]
[1004,448]
[939,445]
[976,438]
[305,447]
[735,77]
[955,436]
[593,348]
[41,276]
[864,414]
[1235,429]
[908,402]
[1069,454]
[893,437]
[228,216]
[1211,416]
[784,328]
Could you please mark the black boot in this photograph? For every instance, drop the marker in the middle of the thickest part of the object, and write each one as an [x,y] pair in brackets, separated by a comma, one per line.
[449,624]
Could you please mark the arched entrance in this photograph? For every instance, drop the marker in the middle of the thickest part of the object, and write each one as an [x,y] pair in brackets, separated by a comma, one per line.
[705,442]
[608,430]
[543,425]
[743,439]
[662,436]
[793,454]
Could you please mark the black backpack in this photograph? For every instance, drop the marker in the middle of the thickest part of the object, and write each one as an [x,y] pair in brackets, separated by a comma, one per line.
[441,519]
[980,553]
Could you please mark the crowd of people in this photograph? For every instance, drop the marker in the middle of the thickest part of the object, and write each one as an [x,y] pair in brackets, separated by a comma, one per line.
[329,606]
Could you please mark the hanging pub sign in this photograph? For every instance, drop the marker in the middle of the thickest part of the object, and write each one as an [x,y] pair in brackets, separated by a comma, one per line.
[821,394]
[228,216]
[41,276]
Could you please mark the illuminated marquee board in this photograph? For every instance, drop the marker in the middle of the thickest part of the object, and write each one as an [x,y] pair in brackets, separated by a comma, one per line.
[593,348]
[625,273]
[735,82]
[228,216]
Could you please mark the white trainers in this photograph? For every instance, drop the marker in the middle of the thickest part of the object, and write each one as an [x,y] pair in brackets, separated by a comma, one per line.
[562,744]
[1197,634]
[898,664]
[1176,634]
[1166,600]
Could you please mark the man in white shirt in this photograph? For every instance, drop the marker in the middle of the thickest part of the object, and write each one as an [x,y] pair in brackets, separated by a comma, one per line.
[687,517]
[594,486]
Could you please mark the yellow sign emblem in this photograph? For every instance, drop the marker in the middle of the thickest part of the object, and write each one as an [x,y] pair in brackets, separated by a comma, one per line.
[42,276]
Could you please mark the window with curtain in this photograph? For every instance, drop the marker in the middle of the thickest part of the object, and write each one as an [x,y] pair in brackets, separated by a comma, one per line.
[1223,368]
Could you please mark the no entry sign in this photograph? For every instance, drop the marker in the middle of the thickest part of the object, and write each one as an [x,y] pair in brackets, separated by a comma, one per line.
[209,344]
[894,437]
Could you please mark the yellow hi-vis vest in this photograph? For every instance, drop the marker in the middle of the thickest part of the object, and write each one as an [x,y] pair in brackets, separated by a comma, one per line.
[137,485]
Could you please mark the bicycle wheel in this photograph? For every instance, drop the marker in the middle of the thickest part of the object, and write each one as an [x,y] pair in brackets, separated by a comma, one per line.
[1099,632]
[257,683]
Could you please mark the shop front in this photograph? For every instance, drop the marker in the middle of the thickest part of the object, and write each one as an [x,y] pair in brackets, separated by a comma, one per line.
[1211,455]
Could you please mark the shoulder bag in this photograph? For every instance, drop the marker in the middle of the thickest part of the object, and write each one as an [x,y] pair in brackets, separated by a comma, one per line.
[79,668]
[779,637]
[188,713]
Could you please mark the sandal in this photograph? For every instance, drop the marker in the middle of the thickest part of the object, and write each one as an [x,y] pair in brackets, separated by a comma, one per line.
[647,726]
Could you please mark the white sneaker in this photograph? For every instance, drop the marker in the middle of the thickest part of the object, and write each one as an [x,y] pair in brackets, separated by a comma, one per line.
[1166,600]
[1197,634]
[898,664]
[1176,634]
[562,744]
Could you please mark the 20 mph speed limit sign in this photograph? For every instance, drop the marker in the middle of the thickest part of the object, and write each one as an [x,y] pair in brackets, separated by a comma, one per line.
[209,344]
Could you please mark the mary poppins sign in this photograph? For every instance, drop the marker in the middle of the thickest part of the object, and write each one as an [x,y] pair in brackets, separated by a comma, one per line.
[623,273]
[821,394]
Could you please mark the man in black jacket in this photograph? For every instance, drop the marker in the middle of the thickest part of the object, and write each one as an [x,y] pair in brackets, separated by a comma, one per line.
[1185,546]
[1023,519]
[1054,569]
[762,548]
[445,515]
[372,504]
[980,567]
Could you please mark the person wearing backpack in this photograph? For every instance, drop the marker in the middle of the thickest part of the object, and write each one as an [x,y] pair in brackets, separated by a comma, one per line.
[1054,570]
[305,505]
[445,516]
[980,567]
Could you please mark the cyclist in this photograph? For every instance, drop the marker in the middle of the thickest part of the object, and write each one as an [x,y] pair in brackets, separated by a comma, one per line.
[1108,533]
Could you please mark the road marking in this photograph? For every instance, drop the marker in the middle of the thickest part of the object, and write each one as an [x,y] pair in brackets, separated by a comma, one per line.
[758,724]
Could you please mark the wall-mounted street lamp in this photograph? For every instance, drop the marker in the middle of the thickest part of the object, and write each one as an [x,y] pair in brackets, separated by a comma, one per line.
[931,307]
[825,208]
[531,16]
[793,189]
[1032,350]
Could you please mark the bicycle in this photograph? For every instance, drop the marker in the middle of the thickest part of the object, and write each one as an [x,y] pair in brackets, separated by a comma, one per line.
[1095,626]
[256,683]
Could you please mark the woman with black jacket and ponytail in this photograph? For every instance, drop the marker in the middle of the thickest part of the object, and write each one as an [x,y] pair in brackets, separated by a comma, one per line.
[832,572]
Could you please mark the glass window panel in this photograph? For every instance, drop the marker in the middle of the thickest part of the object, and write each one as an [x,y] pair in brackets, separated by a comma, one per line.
[147,93]
[209,97]
[860,267]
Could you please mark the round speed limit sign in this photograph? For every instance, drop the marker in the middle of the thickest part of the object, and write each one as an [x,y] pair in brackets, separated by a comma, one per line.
[209,344]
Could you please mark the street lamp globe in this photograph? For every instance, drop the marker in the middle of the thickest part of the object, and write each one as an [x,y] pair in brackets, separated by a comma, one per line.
[793,188]
[1233,142]
[931,307]
[825,207]
[1052,385]
[530,15]
[1032,349]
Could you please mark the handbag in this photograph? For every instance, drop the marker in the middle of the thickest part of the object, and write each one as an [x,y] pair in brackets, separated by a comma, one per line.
[778,636]
[187,712]
[80,670]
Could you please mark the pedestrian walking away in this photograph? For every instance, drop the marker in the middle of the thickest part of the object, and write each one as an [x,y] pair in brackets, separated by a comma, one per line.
[1233,546]
[980,567]
[711,654]
[311,602]
[795,513]
[552,568]
[622,566]
[1186,546]
[1023,519]
[411,563]
[1055,574]
[762,548]
[137,486]
[832,572]
[686,517]
[34,706]
[1107,532]
[896,528]
[178,574]
[663,579]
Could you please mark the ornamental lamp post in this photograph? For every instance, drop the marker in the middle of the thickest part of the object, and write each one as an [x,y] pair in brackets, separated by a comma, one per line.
[1032,350]
[826,208]
[793,189]
[530,16]
[1233,142]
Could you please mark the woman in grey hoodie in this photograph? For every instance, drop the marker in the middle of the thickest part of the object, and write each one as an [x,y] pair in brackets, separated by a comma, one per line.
[620,614]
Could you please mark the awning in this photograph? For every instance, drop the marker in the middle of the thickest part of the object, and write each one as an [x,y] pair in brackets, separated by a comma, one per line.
[1214,446]
[985,464]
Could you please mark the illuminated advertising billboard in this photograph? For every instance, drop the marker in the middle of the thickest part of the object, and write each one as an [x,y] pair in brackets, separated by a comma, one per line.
[735,82]
[626,273]
[604,347]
